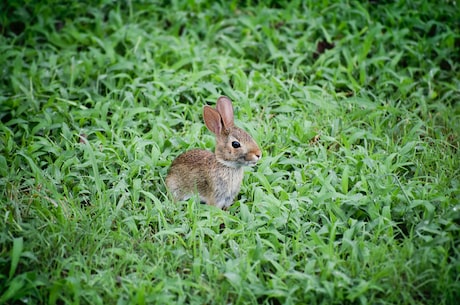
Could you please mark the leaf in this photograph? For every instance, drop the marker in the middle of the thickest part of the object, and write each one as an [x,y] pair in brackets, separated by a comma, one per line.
[264,182]
[13,290]
[234,278]
[15,255]
[345,179]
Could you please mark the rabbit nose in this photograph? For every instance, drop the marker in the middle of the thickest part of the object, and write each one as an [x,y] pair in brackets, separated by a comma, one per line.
[253,157]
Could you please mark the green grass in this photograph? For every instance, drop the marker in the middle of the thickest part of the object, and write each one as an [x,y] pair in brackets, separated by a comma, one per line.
[355,201]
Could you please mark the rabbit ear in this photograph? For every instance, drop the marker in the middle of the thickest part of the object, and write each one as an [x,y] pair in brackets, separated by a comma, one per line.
[225,108]
[212,120]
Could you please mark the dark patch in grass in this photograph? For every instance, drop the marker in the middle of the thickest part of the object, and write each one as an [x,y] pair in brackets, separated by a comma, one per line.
[82,48]
[221,228]
[59,25]
[321,47]
[269,300]
[181,30]
[278,24]
[5,117]
[120,48]
[403,230]
[167,24]
[15,27]
[445,65]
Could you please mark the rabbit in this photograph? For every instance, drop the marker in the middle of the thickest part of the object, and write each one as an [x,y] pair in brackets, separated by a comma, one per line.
[216,177]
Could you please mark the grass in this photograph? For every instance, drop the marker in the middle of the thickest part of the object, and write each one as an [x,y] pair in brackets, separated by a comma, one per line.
[355,106]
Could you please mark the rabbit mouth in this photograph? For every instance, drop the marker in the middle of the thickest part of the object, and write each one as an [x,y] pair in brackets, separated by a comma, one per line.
[251,163]
[238,163]
[245,162]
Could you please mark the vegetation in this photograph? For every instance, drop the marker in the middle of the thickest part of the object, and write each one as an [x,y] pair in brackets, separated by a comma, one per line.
[355,105]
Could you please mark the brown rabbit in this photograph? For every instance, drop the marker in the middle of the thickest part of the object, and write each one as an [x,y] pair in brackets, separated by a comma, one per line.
[215,177]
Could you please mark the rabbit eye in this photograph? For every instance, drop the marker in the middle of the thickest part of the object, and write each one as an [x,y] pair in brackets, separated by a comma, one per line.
[236,144]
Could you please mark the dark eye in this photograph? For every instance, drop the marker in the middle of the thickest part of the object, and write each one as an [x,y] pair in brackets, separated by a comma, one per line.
[236,144]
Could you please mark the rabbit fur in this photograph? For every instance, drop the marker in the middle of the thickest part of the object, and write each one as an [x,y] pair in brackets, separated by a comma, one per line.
[215,177]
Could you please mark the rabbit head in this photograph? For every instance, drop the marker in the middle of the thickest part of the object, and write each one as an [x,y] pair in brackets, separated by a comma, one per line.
[234,147]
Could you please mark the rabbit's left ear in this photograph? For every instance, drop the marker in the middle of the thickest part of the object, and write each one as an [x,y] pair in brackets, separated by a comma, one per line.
[212,119]
[225,108]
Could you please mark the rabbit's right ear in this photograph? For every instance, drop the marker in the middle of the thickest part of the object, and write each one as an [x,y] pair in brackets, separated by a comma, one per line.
[212,119]
[225,108]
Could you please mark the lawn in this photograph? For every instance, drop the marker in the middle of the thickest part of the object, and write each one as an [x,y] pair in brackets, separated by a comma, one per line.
[355,105]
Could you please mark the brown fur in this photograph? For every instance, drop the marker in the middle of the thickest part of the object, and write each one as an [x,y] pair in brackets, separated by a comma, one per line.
[215,177]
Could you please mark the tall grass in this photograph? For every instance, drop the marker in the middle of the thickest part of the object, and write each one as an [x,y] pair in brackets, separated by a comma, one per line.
[355,106]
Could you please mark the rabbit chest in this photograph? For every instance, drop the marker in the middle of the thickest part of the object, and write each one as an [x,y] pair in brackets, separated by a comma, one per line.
[227,185]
